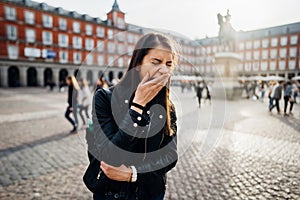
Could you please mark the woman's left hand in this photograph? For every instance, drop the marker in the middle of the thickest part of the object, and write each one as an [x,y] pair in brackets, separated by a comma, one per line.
[121,173]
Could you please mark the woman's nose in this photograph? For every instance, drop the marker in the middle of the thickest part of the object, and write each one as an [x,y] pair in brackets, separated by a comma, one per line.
[163,69]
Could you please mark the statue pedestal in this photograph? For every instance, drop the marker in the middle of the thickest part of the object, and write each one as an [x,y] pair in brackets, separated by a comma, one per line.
[226,84]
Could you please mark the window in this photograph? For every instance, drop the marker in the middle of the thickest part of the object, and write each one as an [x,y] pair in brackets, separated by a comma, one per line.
[294,39]
[89,44]
[121,48]
[264,66]
[63,40]
[273,65]
[249,45]
[248,56]
[256,66]
[256,44]
[29,17]
[11,32]
[10,13]
[208,50]
[274,42]
[30,35]
[121,36]
[292,64]
[77,42]
[89,59]
[265,43]
[100,32]
[130,50]
[121,23]
[273,53]
[248,67]
[120,62]
[47,21]
[110,60]
[282,65]
[293,52]
[214,49]
[283,53]
[62,24]
[63,57]
[77,57]
[111,47]
[265,54]
[47,37]
[13,52]
[130,38]
[100,60]
[283,41]
[88,29]
[241,46]
[76,27]
[256,55]
[100,46]
[110,34]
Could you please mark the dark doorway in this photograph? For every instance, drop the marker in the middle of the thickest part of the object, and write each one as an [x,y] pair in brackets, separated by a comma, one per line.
[32,77]
[90,77]
[13,77]
[100,74]
[77,74]
[48,76]
[110,76]
[120,75]
[63,73]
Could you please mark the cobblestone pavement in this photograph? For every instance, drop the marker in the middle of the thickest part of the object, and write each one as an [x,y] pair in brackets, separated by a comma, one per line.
[240,150]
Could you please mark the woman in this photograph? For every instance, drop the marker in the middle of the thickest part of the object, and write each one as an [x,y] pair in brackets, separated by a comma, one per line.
[135,125]
[84,99]
[72,102]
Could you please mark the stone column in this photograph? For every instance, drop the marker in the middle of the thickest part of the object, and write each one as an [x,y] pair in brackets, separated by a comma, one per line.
[55,75]
[23,76]
[40,76]
[4,76]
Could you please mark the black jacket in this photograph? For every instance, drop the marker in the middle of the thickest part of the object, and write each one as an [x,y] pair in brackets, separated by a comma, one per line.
[123,136]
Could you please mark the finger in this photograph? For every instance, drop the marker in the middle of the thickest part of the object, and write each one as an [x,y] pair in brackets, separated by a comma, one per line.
[146,78]
[154,70]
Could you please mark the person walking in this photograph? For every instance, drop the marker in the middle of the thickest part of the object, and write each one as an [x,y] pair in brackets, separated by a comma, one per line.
[135,124]
[84,100]
[72,101]
[277,96]
[199,90]
[288,98]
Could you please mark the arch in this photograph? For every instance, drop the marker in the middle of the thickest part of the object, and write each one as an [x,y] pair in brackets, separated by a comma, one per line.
[77,74]
[32,77]
[100,74]
[120,75]
[90,77]
[48,76]
[13,76]
[63,73]
[110,76]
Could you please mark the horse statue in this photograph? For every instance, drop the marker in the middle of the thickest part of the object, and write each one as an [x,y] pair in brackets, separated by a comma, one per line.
[227,35]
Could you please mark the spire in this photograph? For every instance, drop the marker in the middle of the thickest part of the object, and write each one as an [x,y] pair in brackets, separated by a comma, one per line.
[115,7]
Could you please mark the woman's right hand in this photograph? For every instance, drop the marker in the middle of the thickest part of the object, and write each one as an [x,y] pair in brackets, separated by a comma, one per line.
[150,85]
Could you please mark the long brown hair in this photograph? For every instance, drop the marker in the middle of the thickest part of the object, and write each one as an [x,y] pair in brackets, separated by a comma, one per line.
[132,79]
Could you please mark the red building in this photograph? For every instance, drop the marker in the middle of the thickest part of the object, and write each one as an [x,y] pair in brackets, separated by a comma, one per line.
[40,43]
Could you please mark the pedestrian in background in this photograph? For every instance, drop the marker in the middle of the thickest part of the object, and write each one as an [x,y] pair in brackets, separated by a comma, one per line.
[199,90]
[288,97]
[84,100]
[72,102]
[277,97]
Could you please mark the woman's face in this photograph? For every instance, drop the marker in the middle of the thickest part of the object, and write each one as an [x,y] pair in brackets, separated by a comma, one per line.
[159,57]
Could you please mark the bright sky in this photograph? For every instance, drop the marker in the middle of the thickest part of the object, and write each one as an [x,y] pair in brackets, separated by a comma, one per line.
[192,18]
